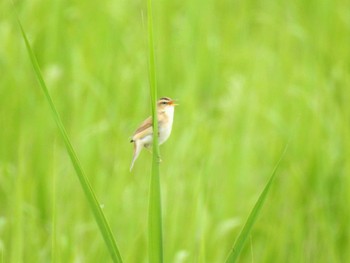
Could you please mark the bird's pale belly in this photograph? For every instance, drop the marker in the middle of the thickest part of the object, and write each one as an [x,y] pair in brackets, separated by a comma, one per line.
[164,134]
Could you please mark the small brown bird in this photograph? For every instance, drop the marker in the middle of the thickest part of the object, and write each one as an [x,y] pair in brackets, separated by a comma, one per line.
[143,136]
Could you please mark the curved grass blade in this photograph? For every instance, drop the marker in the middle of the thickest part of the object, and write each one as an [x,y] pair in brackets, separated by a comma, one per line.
[243,236]
[85,184]
[155,235]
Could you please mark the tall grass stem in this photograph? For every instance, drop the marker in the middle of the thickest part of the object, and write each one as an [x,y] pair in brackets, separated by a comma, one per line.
[85,184]
[155,212]
[245,232]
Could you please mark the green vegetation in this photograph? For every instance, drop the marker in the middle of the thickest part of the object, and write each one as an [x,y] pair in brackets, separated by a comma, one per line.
[248,75]
[155,225]
[85,184]
[247,228]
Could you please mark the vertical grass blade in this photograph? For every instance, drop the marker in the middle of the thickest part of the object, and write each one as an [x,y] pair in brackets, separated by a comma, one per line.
[155,235]
[85,184]
[243,236]
[53,213]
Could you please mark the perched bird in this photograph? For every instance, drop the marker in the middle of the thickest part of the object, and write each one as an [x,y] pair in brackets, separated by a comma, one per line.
[143,136]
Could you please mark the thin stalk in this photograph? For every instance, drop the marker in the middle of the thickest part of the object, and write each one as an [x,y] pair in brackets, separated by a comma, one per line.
[155,211]
[245,232]
[84,182]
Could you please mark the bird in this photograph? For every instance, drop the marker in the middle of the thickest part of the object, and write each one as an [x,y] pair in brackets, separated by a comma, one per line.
[143,136]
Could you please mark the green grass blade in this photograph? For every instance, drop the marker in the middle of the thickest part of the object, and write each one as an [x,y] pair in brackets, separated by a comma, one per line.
[155,211]
[89,193]
[243,236]
[54,215]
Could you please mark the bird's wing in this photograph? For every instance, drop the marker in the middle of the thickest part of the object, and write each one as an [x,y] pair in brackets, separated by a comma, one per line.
[145,128]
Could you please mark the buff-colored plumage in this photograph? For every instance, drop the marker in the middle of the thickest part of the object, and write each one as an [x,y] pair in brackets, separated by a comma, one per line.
[143,136]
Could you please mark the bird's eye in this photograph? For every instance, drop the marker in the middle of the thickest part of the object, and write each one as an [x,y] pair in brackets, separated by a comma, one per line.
[164,103]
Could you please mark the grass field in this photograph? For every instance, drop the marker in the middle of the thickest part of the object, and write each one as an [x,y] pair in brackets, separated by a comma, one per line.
[249,77]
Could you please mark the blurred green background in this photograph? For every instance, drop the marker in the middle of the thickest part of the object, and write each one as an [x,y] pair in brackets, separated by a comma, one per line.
[249,76]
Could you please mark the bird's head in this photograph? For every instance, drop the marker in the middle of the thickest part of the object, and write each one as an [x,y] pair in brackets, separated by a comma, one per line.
[164,103]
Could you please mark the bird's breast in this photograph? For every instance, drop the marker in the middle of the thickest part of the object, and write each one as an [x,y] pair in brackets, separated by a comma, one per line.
[166,125]
[164,133]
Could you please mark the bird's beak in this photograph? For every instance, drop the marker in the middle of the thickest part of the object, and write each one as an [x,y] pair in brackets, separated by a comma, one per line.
[173,103]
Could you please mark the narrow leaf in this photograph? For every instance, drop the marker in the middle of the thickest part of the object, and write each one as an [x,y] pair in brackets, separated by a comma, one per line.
[155,211]
[243,236]
[85,184]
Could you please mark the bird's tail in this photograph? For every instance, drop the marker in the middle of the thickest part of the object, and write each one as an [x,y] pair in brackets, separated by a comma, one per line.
[137,150]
